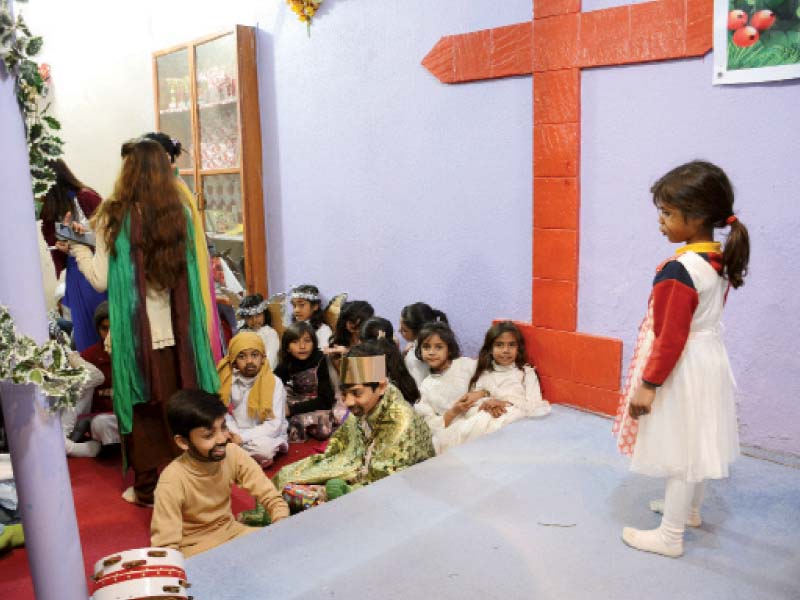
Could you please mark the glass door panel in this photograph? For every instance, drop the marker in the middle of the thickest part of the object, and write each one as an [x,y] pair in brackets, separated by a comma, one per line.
[222,197]
[175,102]
[217,100]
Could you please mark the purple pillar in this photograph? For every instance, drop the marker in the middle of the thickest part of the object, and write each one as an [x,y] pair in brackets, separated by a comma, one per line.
[34,434]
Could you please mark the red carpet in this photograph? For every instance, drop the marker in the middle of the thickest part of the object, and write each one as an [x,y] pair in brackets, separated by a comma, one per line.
[107,523]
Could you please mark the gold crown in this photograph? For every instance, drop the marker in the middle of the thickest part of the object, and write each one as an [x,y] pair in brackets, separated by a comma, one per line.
[363,369]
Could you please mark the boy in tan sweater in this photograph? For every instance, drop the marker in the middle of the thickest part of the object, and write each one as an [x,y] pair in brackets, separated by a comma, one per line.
[193,497]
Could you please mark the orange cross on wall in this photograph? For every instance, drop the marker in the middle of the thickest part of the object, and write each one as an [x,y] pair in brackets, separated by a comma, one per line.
[574,368]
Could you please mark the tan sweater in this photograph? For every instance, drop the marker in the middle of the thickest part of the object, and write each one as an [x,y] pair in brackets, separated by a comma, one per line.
[157,302]
[193,501]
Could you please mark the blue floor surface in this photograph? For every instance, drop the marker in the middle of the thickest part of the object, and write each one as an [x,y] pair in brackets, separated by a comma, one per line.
[534,511]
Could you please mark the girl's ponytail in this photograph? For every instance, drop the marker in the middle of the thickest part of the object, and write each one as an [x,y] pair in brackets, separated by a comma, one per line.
[736,253]
[438,316]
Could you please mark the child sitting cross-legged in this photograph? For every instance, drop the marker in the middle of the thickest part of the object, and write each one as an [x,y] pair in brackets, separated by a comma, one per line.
[193,496]
[256,397]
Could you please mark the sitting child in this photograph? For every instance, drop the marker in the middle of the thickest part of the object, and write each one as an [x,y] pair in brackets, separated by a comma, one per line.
[255,312]
[504,389]
[104,425]
[307,307]
[412,319]
[443,392]
[257,398]
[193,497]
[382,435]
[309,394]
[377,334]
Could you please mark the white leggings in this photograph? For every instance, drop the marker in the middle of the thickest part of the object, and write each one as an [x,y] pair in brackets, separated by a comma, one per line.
[681,499]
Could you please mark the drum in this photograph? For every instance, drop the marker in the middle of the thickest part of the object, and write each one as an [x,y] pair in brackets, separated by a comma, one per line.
[141,574]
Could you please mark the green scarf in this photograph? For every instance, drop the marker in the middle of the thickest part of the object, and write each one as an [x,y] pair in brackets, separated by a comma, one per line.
[130,388]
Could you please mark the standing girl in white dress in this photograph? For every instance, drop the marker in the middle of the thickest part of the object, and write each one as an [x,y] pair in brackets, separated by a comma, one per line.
[505,385]
[677,415]
[444,392]
[412,318]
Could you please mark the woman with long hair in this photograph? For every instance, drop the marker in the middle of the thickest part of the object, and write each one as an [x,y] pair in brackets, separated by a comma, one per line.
[70,197]
[146,258]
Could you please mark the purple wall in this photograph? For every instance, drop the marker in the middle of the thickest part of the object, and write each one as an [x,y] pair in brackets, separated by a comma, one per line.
[640,121]
[381,181]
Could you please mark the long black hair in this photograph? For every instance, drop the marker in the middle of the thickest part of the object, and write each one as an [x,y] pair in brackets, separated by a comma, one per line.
[416,315]
[444,332]
[293,333]
[701,189]
[395,367]
[485,354]
[60,199]
[355,313]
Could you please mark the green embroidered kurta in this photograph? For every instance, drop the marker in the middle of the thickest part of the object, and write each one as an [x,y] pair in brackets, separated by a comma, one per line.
[389,439]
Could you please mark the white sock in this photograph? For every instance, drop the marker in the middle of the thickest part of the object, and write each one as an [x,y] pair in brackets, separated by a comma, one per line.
[668,538]
[694,519]
[83,449]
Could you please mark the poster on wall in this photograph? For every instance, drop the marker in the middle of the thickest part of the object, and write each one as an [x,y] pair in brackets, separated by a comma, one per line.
[756,40]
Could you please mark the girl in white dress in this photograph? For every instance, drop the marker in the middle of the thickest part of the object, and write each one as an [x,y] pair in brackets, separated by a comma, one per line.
[254,310]
[307,306]
[444,392]
[506,384]
[412,318]
[677,415]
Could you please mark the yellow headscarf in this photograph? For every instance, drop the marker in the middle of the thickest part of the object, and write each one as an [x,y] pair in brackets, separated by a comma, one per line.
[259,401]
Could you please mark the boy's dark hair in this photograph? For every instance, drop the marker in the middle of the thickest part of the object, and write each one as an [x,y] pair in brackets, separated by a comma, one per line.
[416,315]
[396,368]
[355,312]
[445,333]
[316,318]
[190,409]
[252,301]
[700,189]
[485,354]
[293,333]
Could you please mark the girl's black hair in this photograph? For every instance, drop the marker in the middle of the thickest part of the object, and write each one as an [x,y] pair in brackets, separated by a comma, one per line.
[417,314]
[355,312]
[700,189]
[190,409]
[255,300]
[315,319]
[171,146]
[395,366]
[59,200]
[485,354]
[293,333]
[375,328]
[100,315]
[445,333]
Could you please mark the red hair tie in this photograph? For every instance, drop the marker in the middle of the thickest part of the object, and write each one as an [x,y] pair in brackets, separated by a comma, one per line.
[730,220]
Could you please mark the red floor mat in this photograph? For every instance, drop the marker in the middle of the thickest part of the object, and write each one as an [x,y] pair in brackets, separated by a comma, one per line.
[108,524]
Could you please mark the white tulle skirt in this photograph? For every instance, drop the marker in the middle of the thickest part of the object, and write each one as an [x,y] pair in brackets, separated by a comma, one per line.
[691,431]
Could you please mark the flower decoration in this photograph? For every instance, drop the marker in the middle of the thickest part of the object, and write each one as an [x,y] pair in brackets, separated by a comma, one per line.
[44,72]
[23,361]
[305,10]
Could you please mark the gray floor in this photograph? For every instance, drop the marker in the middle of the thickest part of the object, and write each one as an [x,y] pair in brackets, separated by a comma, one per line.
[533,511]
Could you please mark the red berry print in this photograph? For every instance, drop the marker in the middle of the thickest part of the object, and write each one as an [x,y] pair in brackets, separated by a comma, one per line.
[763,19]
[745,37]
[736,19]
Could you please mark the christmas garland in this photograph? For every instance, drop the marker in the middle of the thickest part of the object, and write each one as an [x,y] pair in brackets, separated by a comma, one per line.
[23,361]
[17,49]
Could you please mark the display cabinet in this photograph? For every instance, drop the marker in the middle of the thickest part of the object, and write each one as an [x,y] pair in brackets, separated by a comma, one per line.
[206,96]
